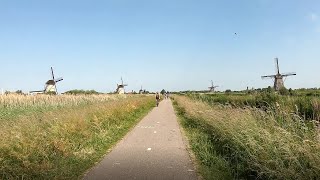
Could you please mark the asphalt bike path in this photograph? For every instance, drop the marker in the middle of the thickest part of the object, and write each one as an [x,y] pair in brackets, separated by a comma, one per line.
[154,149]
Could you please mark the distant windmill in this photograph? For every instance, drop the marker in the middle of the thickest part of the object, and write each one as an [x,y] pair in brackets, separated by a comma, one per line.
[212,88]
[278,78]
[120,87]
[141,91]
[50,86]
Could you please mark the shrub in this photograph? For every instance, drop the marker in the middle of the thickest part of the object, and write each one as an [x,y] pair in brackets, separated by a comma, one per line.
[79,92]
[284,91]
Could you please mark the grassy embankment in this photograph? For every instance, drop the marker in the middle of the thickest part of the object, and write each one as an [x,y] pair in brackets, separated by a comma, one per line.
[249,143]
[60,137]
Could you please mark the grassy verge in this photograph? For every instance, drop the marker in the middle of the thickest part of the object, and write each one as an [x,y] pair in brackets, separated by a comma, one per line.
[249,143]
[211,164]
[64,143]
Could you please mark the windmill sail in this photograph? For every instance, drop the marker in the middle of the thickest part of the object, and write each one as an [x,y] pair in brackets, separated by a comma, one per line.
[289,74]
[52,73]
[268,76]
[277,65]
[59,79]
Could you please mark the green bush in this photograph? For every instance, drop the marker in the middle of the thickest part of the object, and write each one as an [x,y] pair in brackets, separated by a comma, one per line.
[78,92]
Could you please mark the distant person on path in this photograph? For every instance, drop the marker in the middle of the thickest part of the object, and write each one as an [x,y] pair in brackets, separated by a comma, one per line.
[157,98]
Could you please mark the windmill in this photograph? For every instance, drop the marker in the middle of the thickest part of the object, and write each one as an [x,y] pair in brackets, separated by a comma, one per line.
[50,86]
[141,91]
[278,78]
[120,87]
[212,88]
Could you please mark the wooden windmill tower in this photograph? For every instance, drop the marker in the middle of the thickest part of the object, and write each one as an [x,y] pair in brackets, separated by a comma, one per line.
[50,86]
[278,78]
[212,88]
[120,87]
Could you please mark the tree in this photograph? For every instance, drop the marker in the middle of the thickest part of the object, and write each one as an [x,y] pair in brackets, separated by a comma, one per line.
[19,92]
[76,92]
[284,91]
[228,91]
[291,92]
[270,89]
[163,91]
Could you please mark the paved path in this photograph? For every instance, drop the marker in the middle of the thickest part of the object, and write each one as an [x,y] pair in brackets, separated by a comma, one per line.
[154,149]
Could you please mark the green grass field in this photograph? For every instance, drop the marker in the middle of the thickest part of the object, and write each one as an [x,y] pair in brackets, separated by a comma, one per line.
[240,141]
[307,107]
[60,137]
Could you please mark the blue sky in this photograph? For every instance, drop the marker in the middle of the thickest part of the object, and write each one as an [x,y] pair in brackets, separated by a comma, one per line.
[175,45]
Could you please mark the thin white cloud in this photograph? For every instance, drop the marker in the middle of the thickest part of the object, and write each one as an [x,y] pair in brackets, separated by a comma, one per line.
[313,17]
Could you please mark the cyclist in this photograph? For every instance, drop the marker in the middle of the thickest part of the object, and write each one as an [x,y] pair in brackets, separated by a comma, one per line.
[157,98]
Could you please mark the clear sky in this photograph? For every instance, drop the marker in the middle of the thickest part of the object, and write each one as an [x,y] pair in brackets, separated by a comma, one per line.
[170,44]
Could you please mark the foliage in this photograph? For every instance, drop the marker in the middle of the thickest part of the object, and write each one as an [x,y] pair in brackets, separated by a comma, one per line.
[228,91]
[19,92]
[7,92]
[51,93]
[77,92]
[284,91]
[270,144]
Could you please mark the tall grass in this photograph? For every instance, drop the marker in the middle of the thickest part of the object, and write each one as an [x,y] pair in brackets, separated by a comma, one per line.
[304,106]
[14,105]
[257,144]
[63,142]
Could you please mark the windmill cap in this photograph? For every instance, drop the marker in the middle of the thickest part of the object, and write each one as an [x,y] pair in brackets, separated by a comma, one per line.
[51,82]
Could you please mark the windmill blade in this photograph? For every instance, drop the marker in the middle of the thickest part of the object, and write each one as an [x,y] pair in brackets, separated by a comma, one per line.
[59,79]
[35,91]
[55,80]
[269,76]
[56,90]
[277,65]
[55,86]
[52,73]
[289,74]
